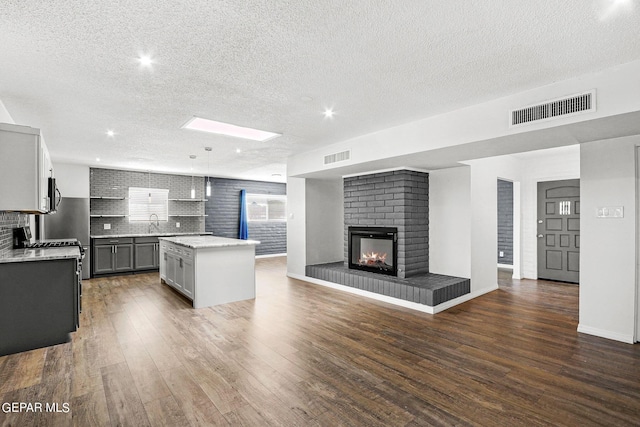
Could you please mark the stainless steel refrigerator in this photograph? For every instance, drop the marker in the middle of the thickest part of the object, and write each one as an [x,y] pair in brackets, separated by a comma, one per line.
[70,222]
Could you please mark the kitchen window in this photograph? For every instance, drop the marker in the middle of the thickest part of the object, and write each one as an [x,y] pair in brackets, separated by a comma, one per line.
[266,207]
[145,202]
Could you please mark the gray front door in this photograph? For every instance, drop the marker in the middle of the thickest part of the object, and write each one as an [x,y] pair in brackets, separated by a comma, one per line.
[559,230]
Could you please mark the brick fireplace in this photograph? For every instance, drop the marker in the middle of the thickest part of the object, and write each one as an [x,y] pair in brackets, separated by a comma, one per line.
[397,199]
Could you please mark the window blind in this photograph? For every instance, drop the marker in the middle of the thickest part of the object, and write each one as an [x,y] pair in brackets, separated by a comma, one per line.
[144,202]
[266,207]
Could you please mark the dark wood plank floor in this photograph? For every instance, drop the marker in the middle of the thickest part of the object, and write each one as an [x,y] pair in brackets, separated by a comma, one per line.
[301,354]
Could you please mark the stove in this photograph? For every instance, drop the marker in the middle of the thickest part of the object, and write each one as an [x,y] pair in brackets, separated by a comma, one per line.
[56,244]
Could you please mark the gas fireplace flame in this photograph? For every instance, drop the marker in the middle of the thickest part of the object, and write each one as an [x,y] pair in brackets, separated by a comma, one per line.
[372,258]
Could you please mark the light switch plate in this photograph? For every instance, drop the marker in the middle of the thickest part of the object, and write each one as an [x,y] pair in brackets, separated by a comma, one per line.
[177,225]
[610,212]
[107,226]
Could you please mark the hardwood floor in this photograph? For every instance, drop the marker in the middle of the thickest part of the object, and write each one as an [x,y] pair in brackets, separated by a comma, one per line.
[302,354]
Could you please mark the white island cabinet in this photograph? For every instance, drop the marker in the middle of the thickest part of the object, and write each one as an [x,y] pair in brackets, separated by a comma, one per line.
[209,270]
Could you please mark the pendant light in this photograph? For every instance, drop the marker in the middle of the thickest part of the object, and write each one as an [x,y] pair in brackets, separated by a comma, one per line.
[193,188]
[149,186]
[208,189]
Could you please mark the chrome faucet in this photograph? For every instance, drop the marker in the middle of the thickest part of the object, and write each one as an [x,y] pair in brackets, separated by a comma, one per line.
[157,224]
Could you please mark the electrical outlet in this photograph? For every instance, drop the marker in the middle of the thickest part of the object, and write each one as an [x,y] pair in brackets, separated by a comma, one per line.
[107,226]
[501,254]
[177,225]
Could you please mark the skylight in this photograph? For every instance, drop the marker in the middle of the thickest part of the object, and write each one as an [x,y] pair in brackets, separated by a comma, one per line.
[220,128]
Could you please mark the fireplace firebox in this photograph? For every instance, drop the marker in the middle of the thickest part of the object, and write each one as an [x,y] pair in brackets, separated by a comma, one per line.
[374,249]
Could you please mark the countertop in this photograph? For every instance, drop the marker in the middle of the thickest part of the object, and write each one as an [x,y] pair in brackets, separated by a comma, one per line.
[115,236]
[21,255]
[198,242]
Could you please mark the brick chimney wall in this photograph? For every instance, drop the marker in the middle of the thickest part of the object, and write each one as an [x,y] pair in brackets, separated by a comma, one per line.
[392,199]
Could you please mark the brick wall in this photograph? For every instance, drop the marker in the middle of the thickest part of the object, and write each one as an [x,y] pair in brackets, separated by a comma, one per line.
[9,221]
[392,199]
[505,222]
[116,183]
[223,210]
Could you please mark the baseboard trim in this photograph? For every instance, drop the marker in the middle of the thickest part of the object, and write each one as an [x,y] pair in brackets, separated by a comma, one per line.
[506,266]
[602,333]
[395,301]
[271,255]
[464,298]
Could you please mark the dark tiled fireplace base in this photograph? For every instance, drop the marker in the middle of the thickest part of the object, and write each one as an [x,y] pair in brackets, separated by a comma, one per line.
[428,289]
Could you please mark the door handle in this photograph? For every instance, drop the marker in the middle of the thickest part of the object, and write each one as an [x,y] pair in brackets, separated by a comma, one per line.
[540,236]
[180,262]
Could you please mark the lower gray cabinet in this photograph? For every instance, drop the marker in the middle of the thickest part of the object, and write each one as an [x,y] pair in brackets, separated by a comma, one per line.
[120,255]
[147,253]
[112,255]
[102,258]
[38,303]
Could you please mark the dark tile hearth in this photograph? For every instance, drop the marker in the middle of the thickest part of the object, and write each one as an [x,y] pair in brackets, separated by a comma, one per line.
[426,288]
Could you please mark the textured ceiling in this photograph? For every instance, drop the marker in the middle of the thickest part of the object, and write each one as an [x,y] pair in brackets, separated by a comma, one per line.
[71,69]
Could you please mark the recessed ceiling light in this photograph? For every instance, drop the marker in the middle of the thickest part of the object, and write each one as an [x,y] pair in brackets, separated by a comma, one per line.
[238,150]
[228,129]
[110,133]
[145,60]
[614,6]
[328,113]
[97,159]
[276,174]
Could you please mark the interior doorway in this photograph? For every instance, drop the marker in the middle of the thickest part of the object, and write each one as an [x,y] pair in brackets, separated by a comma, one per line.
[508,221]
[558,227]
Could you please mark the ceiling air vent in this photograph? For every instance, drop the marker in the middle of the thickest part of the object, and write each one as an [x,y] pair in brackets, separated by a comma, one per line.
[337,157]
[569,105]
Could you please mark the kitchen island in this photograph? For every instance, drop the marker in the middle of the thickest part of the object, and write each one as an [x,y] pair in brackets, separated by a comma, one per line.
[209,270]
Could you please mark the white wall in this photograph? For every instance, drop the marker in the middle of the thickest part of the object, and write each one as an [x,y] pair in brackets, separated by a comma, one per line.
[608,245]
[450,221]
[618,92]
[484,217]
[325,221]
[5,117]
[296,229]
[72,180]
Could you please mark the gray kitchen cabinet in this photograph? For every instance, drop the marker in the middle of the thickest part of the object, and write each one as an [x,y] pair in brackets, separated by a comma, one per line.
[147,253]
[112,255]
[38,303]
[102,259]
[123,257]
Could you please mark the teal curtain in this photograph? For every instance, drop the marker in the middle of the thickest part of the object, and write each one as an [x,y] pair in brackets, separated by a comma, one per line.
[244,226]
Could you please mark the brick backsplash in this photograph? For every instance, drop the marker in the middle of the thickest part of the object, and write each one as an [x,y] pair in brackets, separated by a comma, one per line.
[392,199]
[116,183]
[9,221]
